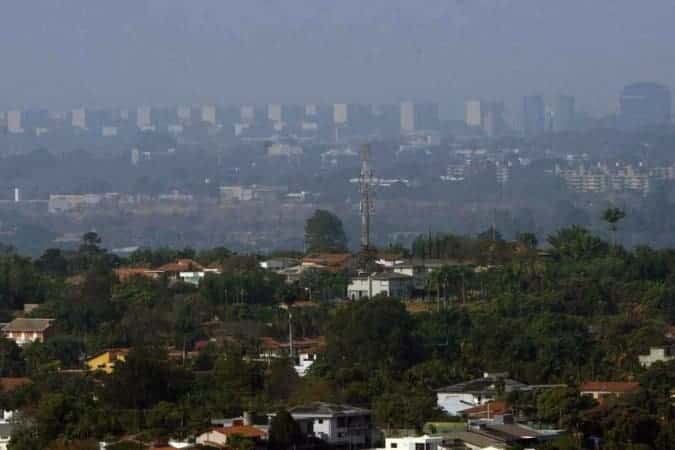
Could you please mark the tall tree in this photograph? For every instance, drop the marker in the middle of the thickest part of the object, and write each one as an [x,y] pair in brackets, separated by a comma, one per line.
[324,233]
[613,216]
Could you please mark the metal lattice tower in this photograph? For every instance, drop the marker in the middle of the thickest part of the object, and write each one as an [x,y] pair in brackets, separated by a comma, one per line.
[365,182]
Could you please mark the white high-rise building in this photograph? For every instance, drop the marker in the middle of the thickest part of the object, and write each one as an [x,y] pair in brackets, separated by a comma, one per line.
[209,114]
[418,116]
[143,117]
[247,114]
[275,113]
[340,113]
[184,114]
[474,113]
[78,118]
[14,121]
[407,117]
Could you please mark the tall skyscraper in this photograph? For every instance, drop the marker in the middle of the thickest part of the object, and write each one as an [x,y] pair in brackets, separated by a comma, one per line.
[14,121]
[209,114]
[645,104]
[534,114]
[340,114]
[275,113]
[563,113]
[143,119]
[78,118]
[493,122]
[474,113]
[419,116]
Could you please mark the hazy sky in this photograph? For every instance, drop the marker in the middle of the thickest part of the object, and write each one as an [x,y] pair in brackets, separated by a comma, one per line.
[63,53]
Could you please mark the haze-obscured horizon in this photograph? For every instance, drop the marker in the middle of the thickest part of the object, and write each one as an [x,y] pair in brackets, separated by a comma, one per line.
[65,53]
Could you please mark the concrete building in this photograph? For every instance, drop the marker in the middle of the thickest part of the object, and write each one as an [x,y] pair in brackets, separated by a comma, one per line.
[656,354]
[414,443]
[645,104]
[14,122]
[474,113]
[386,283]
[184,115]
[340,114]
[461,396]
[419,116]
[208,114]
[534,114]
[143,118]
[339,425]
[78,118]
[563,113]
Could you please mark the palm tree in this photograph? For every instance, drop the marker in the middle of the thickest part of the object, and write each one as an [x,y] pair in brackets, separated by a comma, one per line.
[613,216]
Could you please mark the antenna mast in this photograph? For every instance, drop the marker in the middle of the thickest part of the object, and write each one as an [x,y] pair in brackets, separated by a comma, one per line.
[366,196]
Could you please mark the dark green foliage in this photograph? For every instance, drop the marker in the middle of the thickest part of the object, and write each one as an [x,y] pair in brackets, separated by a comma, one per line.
[284,431]
[324,233]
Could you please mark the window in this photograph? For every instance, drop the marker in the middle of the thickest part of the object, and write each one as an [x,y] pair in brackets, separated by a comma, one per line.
[319,421]
[419,447]
[341,422]
[393,445]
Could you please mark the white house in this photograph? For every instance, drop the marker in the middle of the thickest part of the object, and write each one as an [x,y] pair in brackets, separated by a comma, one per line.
[656,354]
[6,429]
[304,362]
[414,443]
[385,283]
[458,397]
[340,425]
[5,435]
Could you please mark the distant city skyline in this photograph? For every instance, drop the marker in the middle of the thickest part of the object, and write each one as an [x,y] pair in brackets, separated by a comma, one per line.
[165,52]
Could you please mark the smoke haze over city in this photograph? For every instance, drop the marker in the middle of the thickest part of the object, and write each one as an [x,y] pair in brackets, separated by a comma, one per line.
[66,53]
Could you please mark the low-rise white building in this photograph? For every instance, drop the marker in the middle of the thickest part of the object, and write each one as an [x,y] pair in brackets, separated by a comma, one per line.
[656,354]
[339,425]
[414,443]
[386,283]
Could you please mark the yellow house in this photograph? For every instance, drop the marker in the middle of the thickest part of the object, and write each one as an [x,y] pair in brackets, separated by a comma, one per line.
[105,360]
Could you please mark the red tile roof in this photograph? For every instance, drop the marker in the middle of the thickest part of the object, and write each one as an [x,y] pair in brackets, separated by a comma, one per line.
[182,265]
[331,261]
[615,387]
[491,409]
[246,431]
[10,384]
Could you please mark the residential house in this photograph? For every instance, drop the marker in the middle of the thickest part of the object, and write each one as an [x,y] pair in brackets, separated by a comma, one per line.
[337,425]
[331,262]
[656,354]
[385,283]
[278,263]
[218,436]
[305,351]
[5,434]
[600,390]
[498,434]
[487,410]
[461,396]
[24,331]
[185,270]
[414,443]
[105,361]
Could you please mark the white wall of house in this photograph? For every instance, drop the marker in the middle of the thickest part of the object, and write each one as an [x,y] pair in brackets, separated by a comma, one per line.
[362,288]
[343,430]
[414,443]
[305,361]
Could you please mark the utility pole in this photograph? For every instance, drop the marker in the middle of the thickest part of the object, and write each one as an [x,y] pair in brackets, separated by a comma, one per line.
[365,182]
